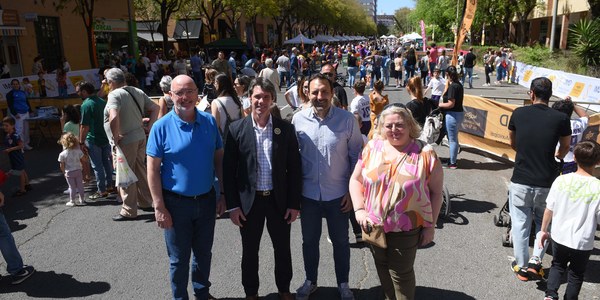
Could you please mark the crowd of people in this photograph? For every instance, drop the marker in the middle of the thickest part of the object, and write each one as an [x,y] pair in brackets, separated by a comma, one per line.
[216,142]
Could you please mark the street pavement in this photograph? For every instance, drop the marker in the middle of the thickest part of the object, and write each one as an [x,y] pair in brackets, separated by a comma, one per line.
[80,252]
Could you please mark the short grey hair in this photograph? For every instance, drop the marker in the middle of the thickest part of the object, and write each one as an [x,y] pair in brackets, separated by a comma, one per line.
[269,62]
[165,84]
[115,75]
[264,84]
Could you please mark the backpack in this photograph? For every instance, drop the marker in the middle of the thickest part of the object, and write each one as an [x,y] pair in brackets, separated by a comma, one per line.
[228,121]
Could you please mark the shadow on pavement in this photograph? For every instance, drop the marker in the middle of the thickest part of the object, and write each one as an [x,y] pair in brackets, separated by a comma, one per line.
[460,204]
[421,293]
[466,164]
[52,285]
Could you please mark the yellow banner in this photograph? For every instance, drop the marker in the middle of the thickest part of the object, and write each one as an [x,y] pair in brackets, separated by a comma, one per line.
[485,126]
[465,27]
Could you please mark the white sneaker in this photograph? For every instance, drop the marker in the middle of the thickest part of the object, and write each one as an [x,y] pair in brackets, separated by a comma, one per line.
[345,292]
[303,292]
[70,204]
[67,191]
[27,147]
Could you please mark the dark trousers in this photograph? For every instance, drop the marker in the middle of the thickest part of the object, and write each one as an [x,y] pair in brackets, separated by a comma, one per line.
[279,230]
[577,260]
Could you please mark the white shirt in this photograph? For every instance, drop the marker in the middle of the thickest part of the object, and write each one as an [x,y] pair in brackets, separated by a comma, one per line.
[264,148]
[360,105]
[437,86]
[71,158]
[575,203]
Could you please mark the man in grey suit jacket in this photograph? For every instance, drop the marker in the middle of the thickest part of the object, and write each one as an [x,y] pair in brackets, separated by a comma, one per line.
[263,180]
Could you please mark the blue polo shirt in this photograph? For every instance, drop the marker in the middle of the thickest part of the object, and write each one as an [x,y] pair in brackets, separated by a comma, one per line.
[187,152]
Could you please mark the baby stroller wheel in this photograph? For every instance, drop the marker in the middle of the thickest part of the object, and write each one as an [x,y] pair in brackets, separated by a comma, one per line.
[506,221]
[498,220]
[506,240]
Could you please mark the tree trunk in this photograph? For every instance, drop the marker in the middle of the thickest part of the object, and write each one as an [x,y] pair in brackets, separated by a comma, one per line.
[91,46]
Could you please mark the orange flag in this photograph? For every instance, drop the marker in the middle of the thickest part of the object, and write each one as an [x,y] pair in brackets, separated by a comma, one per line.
[465,26]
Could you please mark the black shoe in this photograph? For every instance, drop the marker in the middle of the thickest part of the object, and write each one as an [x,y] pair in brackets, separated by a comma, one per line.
[25,273]
[147,209]
[28,187]
[120,217]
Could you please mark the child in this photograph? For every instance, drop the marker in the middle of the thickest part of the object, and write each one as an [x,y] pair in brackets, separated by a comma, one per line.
[436,85]
[70,120]
[70,164]
[578,126]
[360,106]
[209,91]
[28,88]
[14,149]
[61,79]
[573,206]
[14,263]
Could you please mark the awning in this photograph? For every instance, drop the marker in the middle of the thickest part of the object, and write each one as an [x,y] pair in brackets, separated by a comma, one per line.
[12,31]
[158,38]
[187,29]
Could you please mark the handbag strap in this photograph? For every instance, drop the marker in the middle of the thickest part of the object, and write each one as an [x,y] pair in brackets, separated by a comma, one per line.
[135,101]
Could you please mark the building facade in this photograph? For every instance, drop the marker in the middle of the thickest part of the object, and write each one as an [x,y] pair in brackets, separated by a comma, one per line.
[370,7]
[30,28]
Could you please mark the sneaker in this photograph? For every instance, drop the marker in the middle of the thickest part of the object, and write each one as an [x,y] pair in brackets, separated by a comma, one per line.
[550,298]
[80,203]
[97,195]
[358,237]
[450,166]
[535,269]
[345,292]
[70,204]
[67,191]
[22,275]
[303,292]
[112,190]
[27,147]
[521,272]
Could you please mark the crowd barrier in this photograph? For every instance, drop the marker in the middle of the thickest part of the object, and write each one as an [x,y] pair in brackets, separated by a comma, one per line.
[580,88]
[485,126]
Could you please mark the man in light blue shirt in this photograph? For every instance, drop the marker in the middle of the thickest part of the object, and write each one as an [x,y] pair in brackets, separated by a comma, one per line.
[330,143]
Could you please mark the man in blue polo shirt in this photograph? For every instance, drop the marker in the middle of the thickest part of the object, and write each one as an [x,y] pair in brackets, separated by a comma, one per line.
[181,172]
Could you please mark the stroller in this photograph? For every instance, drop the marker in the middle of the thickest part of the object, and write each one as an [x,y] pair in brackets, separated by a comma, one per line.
[429,135]
[503,216]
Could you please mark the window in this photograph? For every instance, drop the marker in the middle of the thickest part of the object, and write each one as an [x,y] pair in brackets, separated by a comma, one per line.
[47,36]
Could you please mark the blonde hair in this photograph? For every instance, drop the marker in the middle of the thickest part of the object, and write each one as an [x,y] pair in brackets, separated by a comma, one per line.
[413,126]
[68,140]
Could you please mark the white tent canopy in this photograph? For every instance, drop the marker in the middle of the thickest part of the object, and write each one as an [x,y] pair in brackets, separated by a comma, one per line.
[391,36]
[383,37]
[411,36]
[299,39]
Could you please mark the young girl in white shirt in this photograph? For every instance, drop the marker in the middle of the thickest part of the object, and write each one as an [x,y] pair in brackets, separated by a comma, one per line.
[70,165]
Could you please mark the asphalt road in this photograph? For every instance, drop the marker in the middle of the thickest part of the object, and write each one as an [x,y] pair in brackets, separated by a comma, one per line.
[80,252]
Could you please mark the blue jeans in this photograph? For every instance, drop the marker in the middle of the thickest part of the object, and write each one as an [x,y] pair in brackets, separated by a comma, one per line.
[526,202]
[453,120]
[386,76]
[192,232]
[101,159]
[352,76]
[375,75]
[469,72]
[337,225]
[500,72]
[14,262]
[282,76]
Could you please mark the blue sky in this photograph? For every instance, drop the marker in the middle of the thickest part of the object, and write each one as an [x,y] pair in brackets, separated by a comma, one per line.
[389,6]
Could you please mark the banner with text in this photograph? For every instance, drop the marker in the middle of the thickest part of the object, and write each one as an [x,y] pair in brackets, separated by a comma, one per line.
[485,126]
[579,87]
[49,80]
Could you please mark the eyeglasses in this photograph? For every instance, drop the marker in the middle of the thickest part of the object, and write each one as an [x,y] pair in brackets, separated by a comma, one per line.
[181,93]
[392,125]
[330,74]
